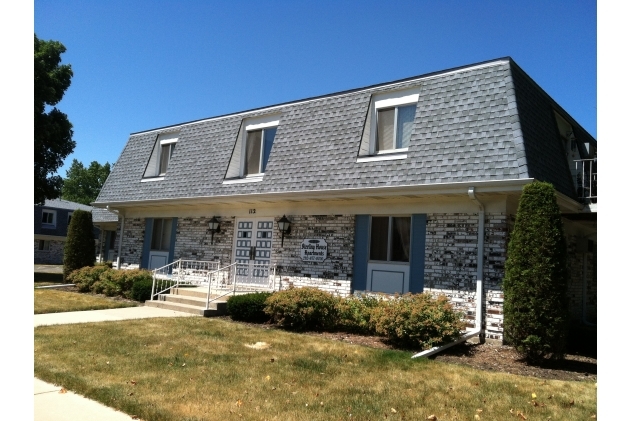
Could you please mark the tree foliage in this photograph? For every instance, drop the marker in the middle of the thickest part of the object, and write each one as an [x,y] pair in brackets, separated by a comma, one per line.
[82,185]
[79,247]
[52,130]
[535,303]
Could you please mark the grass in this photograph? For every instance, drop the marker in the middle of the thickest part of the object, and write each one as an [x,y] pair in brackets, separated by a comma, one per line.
[197,369]
[56,301]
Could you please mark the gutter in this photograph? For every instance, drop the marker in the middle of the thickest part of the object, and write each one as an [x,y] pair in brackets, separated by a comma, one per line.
[479,288]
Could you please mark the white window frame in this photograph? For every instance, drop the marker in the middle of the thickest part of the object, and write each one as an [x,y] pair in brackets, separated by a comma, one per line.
[171,143]
[43,245]
[49,224]
[260,123]
[154,164]
[385,101]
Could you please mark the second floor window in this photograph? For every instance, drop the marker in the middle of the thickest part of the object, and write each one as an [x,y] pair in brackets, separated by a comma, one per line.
[258,146]
[48,218]
[394,127]
[161,155]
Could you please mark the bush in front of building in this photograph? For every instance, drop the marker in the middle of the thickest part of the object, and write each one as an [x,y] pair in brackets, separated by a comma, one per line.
[303,309]
[101,279]
[354,314]
[417,320]
[535,302]
[85,277]
[79,246]
[248,307]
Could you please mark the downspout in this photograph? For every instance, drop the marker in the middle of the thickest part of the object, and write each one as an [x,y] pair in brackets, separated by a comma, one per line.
[478,331]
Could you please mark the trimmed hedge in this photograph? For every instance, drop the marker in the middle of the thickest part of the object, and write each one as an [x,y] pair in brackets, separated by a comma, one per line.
[303,309]
[249,307]
[354,314]
[103,280]
[417,320]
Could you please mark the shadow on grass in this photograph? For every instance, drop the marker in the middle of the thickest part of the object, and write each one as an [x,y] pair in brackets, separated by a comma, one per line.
[57,278]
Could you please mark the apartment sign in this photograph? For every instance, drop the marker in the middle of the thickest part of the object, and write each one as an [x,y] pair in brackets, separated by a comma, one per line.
[313,250]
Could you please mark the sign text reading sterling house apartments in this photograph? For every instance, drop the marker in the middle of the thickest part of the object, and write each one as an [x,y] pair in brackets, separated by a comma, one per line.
[312,250]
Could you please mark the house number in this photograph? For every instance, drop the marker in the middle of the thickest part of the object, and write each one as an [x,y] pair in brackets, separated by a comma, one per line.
[252,211]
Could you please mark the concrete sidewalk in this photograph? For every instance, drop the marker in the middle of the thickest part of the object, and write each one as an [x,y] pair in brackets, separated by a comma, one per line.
[113,314]
[49,403]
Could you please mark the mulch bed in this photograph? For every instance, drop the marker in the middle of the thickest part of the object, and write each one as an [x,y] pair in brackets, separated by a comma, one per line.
[487,356]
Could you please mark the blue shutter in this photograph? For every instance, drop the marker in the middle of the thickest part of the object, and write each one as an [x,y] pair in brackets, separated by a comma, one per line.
[417,252]
[146,246]
[172,245]
[360,258]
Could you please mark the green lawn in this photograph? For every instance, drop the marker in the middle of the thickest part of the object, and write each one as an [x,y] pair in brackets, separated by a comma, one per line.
[56,301]
[208,369]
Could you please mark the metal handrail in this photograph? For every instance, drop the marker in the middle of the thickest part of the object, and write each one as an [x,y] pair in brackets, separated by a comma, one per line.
[181,271]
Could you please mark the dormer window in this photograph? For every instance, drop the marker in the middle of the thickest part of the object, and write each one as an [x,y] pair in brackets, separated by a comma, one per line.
[252,149]
[388,128]
[258,146]
[161,156]
[394,127]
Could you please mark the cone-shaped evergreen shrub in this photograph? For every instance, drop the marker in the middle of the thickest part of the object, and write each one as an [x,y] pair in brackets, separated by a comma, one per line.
[79,247]
[535,282]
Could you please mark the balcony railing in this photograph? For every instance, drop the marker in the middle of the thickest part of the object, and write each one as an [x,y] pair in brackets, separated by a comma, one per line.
[585,179]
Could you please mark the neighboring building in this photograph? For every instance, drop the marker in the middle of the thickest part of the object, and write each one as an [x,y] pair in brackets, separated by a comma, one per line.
[107,223]
[51,228]
[400,187]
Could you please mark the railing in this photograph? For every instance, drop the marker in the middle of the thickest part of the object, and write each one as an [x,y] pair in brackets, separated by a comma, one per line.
[181,272]
[585,179]
[222,281]
[240,277]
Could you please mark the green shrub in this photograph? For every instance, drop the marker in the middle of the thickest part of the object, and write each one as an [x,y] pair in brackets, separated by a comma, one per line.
[141,289]
[79,246]
[417,320]
[535,303]
[354,314]
[249,307]
[101,279]
[303,309]
[85,277]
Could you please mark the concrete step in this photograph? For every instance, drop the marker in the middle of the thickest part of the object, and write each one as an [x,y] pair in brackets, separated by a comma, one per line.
[186,299]
[217,309]
[199,292]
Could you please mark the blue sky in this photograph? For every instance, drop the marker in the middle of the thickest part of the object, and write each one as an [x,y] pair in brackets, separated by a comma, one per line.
[139,65]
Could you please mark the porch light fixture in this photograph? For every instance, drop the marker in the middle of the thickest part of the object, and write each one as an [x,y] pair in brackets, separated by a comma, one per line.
[214,228]
[285,228]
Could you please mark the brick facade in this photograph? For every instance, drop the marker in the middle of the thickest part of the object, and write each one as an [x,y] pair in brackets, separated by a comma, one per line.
[54,256]
[450,258]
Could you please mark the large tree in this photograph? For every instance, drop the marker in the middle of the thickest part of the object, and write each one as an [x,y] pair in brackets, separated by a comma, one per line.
[52,130]
[82,185]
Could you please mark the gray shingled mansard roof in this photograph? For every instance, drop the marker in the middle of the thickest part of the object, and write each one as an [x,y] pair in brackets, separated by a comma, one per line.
[103,215]
[484,122]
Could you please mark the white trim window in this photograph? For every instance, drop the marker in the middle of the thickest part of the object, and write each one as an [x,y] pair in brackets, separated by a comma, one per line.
[49,218]
[388,128]
[252,150]
[44,245]
[161,155]
[390,238]
[258,145]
